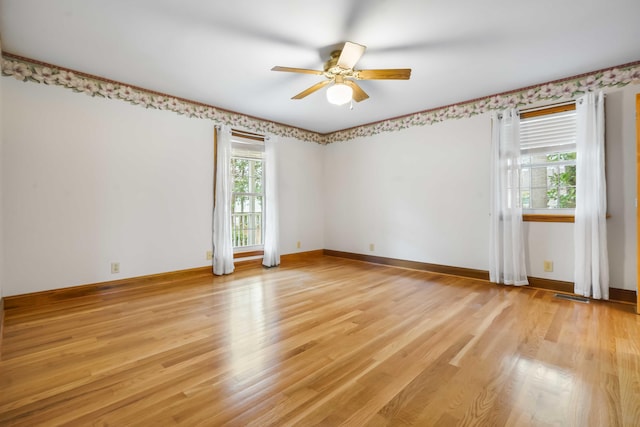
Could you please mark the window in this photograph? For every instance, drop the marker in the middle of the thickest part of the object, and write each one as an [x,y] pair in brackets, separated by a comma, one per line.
[548,156]
[247,196]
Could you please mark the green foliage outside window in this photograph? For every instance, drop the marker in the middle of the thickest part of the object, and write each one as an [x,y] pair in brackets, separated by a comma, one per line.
[562,183]
[246,205]
[247,175]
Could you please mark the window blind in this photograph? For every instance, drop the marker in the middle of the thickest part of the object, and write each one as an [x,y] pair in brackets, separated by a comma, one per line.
[247,145]
[555,132]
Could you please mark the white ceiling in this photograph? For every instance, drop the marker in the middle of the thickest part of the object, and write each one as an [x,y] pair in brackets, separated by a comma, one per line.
[221,52]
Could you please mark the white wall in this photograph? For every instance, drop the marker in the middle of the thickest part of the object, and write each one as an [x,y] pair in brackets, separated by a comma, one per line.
[421,194]
[300,185]
[89,181]
[552,242]
[621,185]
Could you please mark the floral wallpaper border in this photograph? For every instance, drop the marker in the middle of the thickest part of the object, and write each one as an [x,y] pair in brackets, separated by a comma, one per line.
[29,70]
[25,69]
[569,88]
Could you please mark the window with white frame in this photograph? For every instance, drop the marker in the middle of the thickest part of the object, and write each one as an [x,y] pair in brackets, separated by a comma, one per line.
[247,196]
[548,158]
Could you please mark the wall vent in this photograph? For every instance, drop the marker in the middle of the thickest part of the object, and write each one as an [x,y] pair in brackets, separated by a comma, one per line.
[572,298]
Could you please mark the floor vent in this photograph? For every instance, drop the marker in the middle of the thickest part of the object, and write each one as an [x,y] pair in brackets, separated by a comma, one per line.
[572,298]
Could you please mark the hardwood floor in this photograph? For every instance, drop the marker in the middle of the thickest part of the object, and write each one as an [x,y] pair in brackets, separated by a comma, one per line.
[323,342]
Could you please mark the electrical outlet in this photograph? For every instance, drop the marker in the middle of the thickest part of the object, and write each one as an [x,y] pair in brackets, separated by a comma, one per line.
[372,247]
[298,244]
[548,266]
[209,254]
[115,267]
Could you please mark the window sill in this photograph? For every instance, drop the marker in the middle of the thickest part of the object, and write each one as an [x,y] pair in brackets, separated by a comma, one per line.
[548,218]
[248,254]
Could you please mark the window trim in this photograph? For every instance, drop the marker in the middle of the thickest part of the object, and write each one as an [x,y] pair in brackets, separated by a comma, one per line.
[533,214]
[240,135]
[544,111]
[255,250]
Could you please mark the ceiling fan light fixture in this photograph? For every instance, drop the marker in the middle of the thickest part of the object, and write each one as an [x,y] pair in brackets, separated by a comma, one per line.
[339,94]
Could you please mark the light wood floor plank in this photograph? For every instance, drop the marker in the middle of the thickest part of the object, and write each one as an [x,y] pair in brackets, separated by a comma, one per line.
[323,341]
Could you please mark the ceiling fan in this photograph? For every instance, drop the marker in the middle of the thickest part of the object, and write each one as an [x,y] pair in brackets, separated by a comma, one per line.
[340,75]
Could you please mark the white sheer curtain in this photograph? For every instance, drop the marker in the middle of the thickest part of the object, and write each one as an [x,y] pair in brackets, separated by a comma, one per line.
[591,255]
[506,240]
[222,246]
[271,241]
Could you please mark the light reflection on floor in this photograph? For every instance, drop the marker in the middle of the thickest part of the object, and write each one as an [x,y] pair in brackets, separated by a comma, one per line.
[247,330]
[546,390]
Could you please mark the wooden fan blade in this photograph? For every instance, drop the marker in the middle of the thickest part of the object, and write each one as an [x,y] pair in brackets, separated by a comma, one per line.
[312,89]
[390,74]
[351,53]
[358,93]
[297,70]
